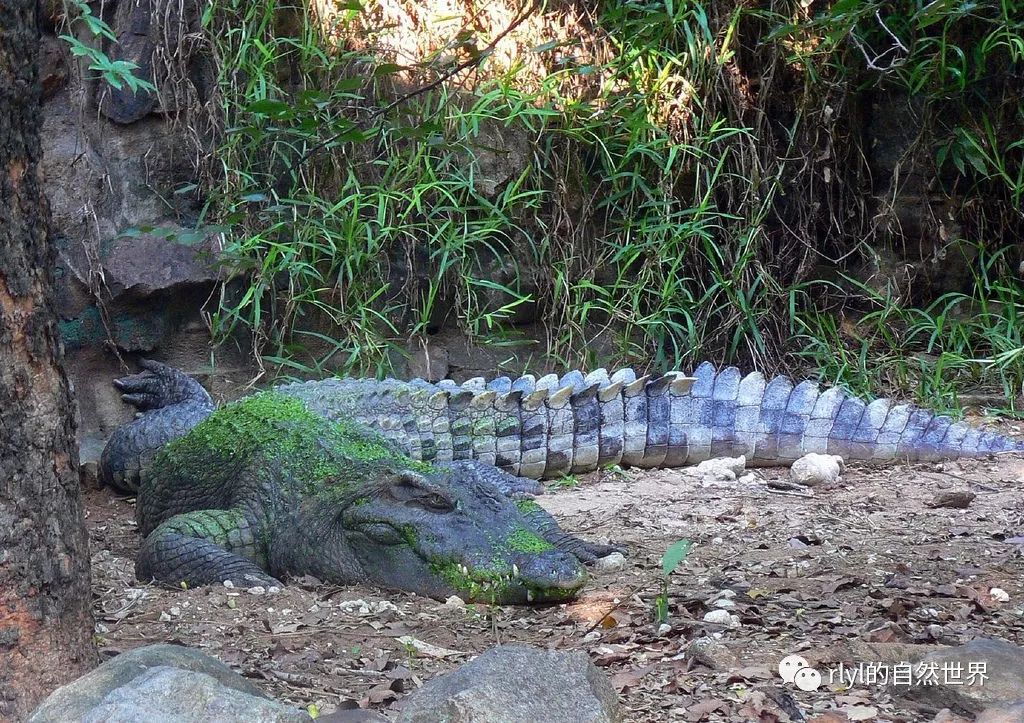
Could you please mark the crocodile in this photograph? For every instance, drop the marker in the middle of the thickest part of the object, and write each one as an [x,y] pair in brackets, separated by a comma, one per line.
[428,487]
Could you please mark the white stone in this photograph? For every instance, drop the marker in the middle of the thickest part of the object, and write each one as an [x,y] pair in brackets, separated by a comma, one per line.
[721,469]
[722,617]
[815,469]
[999,594]
[610,563]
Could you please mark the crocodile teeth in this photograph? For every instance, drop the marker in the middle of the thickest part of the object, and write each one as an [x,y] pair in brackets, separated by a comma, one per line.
[464,570]
[529,595]
[515,570]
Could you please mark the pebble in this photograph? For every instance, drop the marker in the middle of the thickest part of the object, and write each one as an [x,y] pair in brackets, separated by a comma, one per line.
[610,563]
[954,499]
[815,469]
[721,469]
[722,617]
[257,590]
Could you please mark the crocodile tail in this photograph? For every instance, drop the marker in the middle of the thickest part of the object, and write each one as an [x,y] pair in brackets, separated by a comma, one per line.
[552,426]
[775,422]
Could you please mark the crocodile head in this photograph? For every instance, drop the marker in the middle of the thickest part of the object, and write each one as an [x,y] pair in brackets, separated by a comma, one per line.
[439,532]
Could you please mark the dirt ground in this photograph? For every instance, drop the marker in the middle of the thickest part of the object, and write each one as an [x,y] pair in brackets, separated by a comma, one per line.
[861,567]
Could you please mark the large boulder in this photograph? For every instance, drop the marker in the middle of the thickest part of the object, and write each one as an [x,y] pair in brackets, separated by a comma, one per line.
[172,695]
[514,683]
[988,673]
[127,671]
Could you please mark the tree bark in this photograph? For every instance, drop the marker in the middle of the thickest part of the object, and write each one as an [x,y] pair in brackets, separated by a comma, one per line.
[45,620]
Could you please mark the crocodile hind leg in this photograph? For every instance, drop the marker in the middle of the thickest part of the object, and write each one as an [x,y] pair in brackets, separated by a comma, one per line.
[172,403]
[204,547]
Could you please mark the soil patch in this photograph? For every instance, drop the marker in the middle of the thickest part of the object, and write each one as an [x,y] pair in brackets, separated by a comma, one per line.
[863,568]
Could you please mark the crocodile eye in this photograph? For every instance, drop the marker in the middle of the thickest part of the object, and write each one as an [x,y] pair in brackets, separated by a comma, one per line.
[438,503]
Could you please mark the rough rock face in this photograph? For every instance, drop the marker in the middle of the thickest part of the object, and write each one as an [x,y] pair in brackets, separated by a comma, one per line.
[113,161]
[514,683]
[73,701]
[171,695]
[992,676]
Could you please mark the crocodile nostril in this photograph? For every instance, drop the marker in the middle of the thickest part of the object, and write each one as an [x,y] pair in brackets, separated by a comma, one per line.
[551,570]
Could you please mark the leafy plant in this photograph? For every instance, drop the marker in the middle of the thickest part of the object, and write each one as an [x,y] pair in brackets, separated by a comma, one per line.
[118,73]
[566,482]
[662,208]
[674,555]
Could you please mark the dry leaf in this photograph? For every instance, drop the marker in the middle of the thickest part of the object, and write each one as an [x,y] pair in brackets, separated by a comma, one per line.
[702,710]
[630,678]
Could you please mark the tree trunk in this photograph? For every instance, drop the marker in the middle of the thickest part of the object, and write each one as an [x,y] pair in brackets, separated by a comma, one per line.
[45,621]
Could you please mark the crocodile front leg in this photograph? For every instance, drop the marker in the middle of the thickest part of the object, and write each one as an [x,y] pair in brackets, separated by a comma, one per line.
[522,491]
[204,547]
[547,527]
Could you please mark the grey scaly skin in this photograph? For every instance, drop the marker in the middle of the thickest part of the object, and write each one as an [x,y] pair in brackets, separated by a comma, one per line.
[421,486]
[548,427]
